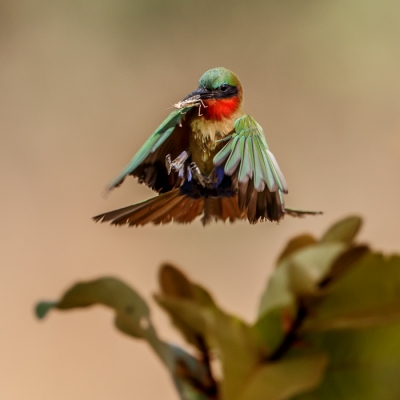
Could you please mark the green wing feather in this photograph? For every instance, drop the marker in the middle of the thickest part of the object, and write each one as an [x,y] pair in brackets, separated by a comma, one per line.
[248,154]
[159,136]
[260,182]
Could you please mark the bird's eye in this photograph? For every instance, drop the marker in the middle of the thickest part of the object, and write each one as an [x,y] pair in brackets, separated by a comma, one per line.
[224,87]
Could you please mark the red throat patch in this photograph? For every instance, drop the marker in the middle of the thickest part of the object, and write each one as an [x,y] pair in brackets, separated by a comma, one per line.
[220,109]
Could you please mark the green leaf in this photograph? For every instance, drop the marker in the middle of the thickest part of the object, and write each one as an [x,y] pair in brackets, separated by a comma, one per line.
[307,267]
[364,364]
[184,302]
[202,296]
[286,378]
[43,308]
[132,312]
[186,316]
[299,274]
[133,318]
[368,294]
[202,323]
[236,342]
[198,318]
[343,231]
[273,326]
[295,244]
[239,350]
[247,374]
[344,263]
[277,294]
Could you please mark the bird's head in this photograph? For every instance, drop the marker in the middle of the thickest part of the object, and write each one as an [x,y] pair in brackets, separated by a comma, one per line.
[219,91]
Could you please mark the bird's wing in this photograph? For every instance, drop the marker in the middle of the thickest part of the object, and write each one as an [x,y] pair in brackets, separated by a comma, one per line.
[248,155]
[148,164]
[260,182]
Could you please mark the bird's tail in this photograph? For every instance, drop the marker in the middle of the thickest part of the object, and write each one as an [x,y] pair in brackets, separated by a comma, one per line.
[175,206]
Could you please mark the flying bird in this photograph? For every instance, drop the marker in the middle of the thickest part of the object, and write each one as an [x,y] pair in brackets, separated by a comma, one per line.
[209,159]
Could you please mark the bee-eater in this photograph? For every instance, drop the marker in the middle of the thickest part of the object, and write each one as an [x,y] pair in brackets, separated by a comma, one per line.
[207,158]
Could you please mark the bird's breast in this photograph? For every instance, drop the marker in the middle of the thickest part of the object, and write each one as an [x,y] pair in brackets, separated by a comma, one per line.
[204,138]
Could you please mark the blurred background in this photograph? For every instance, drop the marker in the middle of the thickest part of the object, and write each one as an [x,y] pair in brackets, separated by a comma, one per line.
[84,83]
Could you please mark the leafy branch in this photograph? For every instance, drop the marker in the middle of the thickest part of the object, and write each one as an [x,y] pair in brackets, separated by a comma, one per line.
[328,325]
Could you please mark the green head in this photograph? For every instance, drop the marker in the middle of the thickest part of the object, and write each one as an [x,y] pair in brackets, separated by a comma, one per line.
[219,91]
[214,78]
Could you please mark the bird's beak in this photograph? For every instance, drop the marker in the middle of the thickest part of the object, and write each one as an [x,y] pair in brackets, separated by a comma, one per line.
[194,99]
[200,93]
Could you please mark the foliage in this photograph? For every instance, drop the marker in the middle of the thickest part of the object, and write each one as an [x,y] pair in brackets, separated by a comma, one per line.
[328,325]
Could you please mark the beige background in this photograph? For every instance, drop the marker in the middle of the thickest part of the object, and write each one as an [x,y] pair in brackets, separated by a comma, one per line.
[84,83]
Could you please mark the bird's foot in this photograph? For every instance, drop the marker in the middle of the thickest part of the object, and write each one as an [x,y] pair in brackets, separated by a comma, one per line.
[178,164]
[194,172]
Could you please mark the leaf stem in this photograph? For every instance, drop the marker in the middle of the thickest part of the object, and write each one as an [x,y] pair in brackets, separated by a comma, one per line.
[291,336]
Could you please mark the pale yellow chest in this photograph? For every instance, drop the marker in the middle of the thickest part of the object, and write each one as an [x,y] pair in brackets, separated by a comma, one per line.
[204,140]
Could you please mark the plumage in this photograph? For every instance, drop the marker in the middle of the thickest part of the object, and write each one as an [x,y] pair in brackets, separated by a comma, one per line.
[175,206]
[148,163]
[208,159]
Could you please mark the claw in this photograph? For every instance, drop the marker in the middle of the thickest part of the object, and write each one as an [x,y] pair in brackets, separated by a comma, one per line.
[195,169]
[168,163]
[196,174]
[178,164]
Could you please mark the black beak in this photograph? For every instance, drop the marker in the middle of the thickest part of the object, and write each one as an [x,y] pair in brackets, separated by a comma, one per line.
[202,92]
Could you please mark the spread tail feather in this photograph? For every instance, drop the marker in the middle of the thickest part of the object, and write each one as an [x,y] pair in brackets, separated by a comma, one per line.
[177,207]
[260,206]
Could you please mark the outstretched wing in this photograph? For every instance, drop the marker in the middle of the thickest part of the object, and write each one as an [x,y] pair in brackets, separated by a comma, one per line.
[260,181]
[248,154]
[148,164]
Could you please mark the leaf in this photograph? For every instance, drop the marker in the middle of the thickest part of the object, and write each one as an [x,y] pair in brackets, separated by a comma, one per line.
[307,267]
[344,262]
[286,378]
[202,296]
[343,231]
[273,326]
[174,283]
[277,309]
[183,301]
[133,318]
[132,312]
[296,244]
[205,325]
[202,323]
[298,274]
[236,342]
[239,350]
[186,316]
[247,374]
[364,364]
[43,308]
[277,294]
[368,294]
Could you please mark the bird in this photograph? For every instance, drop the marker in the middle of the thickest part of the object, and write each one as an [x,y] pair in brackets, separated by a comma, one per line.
[207,159]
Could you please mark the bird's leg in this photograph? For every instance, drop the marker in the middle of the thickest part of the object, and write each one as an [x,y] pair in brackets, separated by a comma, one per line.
[198,176]
[178,163]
